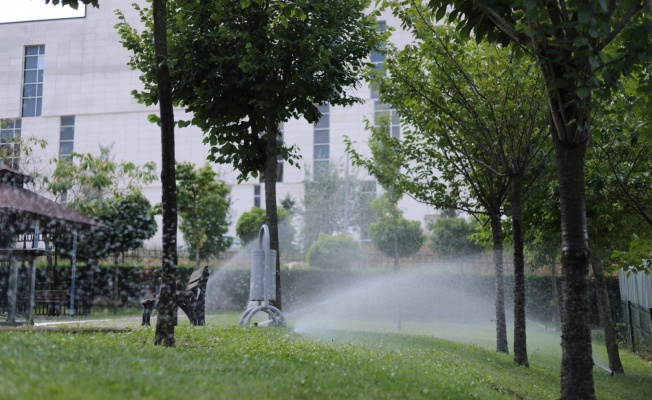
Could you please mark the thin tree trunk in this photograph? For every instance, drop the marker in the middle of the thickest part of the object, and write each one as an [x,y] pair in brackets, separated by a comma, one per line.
[396,269]
[167,309]
[520,334]
[606,320]
[501,325]
[271,154]
[577,360]
[116,284]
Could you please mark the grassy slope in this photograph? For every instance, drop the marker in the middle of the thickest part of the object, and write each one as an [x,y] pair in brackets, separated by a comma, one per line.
[244,363]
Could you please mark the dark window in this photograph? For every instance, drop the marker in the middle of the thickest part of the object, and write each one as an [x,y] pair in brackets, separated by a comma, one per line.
[67,136]
[322,139]
[33,81]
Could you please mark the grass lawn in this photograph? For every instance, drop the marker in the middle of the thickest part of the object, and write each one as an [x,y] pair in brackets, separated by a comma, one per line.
[224,361]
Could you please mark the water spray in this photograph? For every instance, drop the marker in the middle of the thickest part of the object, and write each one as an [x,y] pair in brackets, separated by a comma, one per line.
[262,283]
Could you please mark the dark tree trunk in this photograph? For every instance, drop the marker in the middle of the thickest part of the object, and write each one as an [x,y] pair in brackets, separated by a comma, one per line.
[520,336]
[501,325]
[271,214]
[577,361]
[555,298]
[606,320]
[167,309]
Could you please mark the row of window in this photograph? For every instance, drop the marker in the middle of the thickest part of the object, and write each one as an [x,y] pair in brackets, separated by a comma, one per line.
[10,133]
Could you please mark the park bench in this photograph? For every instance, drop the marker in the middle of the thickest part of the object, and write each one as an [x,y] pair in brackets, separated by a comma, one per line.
[192,300]
[50,302]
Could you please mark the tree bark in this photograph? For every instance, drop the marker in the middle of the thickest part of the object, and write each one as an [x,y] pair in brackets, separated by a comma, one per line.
[501,326]
[167,309]
[520,335]
[396,269]
[577,361]
[271,214]
[555,298]
[606,320]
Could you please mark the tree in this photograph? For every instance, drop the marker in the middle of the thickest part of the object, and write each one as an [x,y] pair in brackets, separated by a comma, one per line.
[476,114]
[451,237]
[248,227]
[581,48]
[204,209]
[264,71]
[333,251]
[160,77]
[324,206]
[389,230]
[385,166]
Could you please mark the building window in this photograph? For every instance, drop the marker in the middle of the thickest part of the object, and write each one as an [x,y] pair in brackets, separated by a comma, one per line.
[395,122]
[322,140]
[367,195]
[257,196]
[378,59]
[67,136]
[10,142]
[33,81]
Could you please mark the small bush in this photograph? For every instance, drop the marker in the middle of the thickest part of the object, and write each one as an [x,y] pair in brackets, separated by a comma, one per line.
[333,252]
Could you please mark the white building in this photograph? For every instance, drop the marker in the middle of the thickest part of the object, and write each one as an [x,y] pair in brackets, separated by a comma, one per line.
[67,81]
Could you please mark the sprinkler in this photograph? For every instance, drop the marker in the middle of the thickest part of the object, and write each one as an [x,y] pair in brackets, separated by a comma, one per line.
[262,284]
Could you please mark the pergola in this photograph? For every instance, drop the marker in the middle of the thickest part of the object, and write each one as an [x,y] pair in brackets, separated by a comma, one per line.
[23,212]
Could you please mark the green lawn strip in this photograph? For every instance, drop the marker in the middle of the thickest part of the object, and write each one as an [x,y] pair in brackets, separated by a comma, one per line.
[242,363]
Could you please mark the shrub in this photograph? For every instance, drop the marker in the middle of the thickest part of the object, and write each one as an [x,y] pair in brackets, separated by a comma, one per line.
[410,236]
[333,252]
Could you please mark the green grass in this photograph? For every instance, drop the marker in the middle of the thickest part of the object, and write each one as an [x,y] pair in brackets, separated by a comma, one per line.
[224,361]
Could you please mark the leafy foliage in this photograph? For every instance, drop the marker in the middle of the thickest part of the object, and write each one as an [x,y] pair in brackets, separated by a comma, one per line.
[258,69]
[324,203]
[451,237]
[248,227]
[203,203]
[410,237]
[333,252]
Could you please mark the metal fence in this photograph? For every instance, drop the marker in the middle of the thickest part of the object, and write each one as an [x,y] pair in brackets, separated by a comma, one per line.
[636,302]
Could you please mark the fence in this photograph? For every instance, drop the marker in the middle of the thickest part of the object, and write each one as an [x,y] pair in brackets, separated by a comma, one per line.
[636,302]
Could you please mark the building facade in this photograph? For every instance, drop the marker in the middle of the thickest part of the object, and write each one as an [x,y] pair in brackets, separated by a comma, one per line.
[67,81]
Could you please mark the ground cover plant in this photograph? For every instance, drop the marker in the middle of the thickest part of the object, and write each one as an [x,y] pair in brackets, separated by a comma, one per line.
[222,360]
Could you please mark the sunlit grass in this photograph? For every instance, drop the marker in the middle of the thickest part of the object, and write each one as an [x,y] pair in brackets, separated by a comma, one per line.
[224,361]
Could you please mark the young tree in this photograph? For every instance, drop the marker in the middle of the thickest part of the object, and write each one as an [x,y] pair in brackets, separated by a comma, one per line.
[324,204]
[204,209]
[580,47]
[480,111]
[160,78]
[391,228]
[264,71]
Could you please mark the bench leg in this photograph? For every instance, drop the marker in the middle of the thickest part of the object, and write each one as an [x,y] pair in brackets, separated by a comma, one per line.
[147,313]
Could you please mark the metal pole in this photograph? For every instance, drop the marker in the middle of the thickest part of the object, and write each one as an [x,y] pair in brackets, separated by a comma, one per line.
[32,277]
[73,270]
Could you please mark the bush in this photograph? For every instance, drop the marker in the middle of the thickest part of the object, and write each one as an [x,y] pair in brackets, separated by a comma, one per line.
[450,237]
[333,252]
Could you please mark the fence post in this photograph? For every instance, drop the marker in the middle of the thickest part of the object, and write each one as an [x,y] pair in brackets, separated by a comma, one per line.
[631,325]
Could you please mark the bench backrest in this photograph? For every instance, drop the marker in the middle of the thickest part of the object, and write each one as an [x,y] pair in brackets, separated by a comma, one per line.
[197,278]
[50,295]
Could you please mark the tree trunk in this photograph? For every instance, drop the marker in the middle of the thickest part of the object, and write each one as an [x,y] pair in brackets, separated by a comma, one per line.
[271,154]
[396,269]
[520,335]
[167,309]
[555,297]
[606,320]
[116,284]
[577,361]
[501,325]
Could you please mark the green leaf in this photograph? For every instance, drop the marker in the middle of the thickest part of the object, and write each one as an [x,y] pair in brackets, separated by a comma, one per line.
[583,92]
